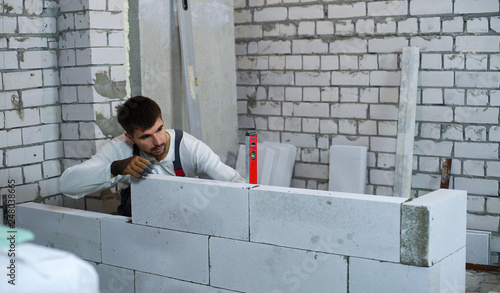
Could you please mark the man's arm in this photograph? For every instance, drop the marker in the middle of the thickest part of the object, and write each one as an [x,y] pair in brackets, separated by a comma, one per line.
[94,174]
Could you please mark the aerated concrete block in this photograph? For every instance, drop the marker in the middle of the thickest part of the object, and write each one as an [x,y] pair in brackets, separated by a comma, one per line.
[114,279]
[334,222]
[162,252]
[145,283]
[448,275]
[72,230]
[433,226]
[192,205]
[254,267]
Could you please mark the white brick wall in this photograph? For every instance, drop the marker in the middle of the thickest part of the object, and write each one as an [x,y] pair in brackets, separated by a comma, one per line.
[31,75]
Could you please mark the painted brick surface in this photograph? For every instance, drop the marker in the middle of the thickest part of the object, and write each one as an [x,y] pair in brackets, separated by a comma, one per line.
[236,265]
[324,221]
[475,6]
[192,205]
[418,7]
[483,222]
[163,252]
[433,226]
[346,10]
[71,230]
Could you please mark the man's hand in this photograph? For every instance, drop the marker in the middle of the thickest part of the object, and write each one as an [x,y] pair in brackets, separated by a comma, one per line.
[135,166]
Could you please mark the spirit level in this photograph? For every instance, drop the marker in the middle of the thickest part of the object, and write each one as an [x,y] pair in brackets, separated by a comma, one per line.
[251,156]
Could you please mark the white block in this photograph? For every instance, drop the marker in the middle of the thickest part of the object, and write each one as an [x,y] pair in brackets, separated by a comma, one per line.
[71,230]
[32,173]
[27,192]
[348,168]
[106,20]
[114,279]
[275,163]
[162,252]
[253,267]
[433,226]
[265,159]
[478,247]
[76,75]
[265,164]
[367,275]
[193,205]
[26,155]
[284,161]
[340,223]
[80,112]
[153,283]
[82,149]
[38,59]
[27,118]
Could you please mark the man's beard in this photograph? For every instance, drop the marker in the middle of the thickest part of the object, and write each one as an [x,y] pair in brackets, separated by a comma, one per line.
[158,153]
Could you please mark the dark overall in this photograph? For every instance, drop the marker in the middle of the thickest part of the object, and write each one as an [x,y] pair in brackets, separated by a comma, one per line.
[125,207]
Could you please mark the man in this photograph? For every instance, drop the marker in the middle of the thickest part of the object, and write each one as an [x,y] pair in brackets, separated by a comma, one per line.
[146,147]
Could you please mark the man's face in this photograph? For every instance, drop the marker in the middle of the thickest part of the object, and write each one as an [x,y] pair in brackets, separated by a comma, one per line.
[152,141]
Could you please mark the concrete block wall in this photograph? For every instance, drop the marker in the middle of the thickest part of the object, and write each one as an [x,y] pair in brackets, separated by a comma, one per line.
[317,73]
[189,235]
[62,66]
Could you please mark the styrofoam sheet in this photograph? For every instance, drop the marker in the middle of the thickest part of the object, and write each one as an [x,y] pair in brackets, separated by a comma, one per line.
[478,247]
[275,162]
[348,168]
[284,161]
[265,159]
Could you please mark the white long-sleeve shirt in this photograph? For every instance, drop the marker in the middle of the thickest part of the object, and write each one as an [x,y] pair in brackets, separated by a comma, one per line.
[93,175]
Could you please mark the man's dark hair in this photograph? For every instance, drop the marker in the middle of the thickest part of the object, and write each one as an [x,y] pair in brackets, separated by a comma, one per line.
[138,112]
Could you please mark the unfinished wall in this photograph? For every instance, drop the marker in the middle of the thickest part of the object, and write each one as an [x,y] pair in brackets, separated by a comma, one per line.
[207,236]
[316,73]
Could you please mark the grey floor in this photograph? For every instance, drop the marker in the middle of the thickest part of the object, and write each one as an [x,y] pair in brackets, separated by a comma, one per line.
[482,282]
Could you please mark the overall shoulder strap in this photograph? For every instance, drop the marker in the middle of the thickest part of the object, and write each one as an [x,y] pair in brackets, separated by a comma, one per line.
[177,162]
[136,151]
